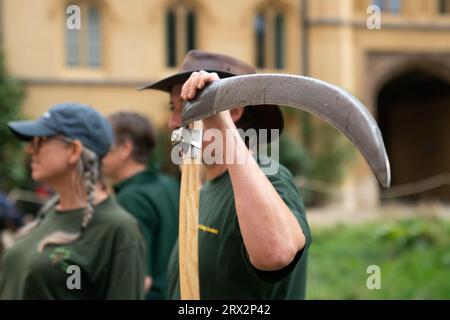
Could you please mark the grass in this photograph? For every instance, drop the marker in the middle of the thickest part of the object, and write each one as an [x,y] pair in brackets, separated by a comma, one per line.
[413,256]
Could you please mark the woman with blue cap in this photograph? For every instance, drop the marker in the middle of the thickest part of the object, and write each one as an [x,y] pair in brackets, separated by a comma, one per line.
[82,246]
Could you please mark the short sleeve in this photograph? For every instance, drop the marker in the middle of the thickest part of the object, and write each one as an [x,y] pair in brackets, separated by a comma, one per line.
[284,184]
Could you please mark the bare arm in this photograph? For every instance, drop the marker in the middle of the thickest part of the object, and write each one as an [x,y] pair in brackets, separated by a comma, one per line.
[271,233]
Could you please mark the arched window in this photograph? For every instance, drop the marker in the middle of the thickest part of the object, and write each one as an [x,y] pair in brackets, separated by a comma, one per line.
[270,32]
[83,45]
[181,32]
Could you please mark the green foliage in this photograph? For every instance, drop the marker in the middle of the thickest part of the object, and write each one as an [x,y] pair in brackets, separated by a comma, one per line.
[333,156]
[410,234]
[318,152]
[12,170]
[412,254]
[294,156]
[161,154]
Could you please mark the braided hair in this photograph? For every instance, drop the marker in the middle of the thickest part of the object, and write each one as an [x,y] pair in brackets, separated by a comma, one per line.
[91,173]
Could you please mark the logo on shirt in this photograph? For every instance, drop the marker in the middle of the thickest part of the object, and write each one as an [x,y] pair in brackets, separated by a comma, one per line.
[59,257]
[208,229]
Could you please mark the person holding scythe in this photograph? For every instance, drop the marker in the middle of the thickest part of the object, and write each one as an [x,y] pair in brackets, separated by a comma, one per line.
[253,233]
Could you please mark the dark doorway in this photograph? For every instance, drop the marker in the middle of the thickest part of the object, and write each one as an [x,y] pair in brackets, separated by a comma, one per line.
[414,117]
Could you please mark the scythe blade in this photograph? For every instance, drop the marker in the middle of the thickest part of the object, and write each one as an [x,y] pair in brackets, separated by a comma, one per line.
[326,101]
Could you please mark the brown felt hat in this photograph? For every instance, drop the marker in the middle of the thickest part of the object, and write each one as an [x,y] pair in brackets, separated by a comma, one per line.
[266,117]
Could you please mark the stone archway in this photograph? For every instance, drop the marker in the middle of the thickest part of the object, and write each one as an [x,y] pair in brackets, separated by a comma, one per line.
[413,111]
[391,74]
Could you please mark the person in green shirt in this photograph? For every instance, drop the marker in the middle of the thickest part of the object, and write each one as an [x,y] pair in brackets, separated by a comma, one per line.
[150,196]
[253,232]
[82,245]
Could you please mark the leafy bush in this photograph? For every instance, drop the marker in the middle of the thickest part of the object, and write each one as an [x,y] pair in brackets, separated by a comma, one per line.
[12,170]
[409,234]
[412,254]
[161,154]
[316,151]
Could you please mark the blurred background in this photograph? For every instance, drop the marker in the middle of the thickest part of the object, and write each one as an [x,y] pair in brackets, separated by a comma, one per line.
[400,71]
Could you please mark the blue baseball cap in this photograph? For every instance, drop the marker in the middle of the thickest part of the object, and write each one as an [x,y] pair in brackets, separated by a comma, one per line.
[72,120]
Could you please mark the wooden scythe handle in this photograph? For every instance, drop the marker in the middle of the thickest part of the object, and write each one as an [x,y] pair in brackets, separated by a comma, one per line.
[188,226]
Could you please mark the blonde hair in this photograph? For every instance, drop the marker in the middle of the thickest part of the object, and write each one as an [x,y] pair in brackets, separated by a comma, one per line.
[89,170]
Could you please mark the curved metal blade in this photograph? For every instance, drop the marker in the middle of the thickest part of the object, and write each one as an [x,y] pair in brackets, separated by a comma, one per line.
[330,103]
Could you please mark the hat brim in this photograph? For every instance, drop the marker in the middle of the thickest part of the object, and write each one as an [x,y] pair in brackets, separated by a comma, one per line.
[166,84]
[26,130]
[266,117]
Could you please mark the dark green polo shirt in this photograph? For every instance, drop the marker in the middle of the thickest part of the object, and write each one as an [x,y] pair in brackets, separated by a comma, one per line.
[152,198]
[109,257]
[224,267]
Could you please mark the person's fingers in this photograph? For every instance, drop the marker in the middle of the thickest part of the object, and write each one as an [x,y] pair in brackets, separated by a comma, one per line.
[197,81]
[201,80]
[206,78]
[214,76]
[194,84]
[186,88]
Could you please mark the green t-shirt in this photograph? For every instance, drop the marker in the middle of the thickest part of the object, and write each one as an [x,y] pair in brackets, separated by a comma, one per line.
[152,198]
[109,257]
[224,267]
